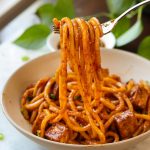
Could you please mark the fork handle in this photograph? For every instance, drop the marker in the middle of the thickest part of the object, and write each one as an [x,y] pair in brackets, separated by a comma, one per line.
[130,9]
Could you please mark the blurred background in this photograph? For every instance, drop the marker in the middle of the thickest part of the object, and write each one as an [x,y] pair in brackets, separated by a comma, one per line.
[17,15]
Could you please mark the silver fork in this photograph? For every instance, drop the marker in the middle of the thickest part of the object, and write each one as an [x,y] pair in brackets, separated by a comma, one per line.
[109,25]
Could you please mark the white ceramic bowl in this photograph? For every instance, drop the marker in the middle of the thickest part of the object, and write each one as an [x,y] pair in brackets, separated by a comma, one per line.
[125,64]
[53,41]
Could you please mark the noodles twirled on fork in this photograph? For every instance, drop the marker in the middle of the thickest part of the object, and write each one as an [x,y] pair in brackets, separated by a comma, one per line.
[85,105]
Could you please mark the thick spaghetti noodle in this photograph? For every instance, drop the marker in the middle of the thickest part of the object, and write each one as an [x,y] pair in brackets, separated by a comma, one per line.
[85,105]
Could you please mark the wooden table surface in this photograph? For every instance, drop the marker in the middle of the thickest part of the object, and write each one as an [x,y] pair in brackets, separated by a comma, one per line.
[89,7]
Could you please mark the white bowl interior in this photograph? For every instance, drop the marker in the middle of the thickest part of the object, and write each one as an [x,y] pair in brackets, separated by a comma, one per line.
[125,64]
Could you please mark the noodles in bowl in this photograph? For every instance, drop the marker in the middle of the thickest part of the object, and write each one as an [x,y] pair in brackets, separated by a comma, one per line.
[42,69]
[85,104]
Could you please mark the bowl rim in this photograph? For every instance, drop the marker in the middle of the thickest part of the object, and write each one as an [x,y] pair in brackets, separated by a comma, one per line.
[27,133]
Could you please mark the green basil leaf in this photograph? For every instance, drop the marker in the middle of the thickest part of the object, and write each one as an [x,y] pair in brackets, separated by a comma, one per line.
[1,136]
[25,58]
[144,48]
[122,26]
[61,9]
[34,37]
[45,13]
[117,7]
[64,8]
[131,34]
[52,96]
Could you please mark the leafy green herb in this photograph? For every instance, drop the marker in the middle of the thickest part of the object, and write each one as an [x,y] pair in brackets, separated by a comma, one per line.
[77,97]
[52,96]
[25,58]
[117,7]
[45,13]
[64,8]
[34,37]
[122,26]
[1,136]
[123,32]
[132,14]
[61,9]
[144,48]
[38,132]
[132,33]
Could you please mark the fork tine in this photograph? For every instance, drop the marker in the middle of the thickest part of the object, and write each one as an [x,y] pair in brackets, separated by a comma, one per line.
[55,29]
[56,32]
